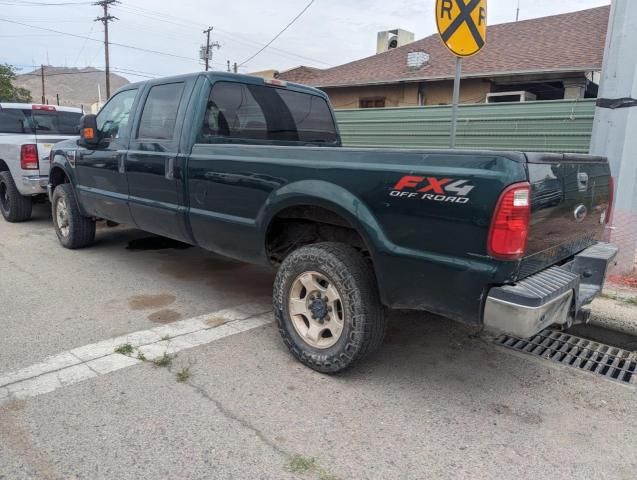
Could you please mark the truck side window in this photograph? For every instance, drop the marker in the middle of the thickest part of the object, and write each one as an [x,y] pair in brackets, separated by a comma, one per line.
[237,111]
[312,116]
[233,112]
[113,117]
[160,112]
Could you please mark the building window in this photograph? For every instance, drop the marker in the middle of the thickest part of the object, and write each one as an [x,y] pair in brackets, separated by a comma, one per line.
[373,102]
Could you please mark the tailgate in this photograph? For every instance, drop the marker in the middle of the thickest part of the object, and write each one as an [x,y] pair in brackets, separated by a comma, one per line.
[45,144]
[570,197]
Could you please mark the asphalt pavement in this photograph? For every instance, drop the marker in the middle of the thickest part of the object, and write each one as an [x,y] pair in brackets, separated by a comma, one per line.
[437,401]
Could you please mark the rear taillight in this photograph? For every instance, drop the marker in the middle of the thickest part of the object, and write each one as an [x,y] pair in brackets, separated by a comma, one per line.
[611,199]
[29,157]
[276,82]
[510,225]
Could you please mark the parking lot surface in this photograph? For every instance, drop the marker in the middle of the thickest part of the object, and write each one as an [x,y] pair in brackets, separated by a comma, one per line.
[437,401]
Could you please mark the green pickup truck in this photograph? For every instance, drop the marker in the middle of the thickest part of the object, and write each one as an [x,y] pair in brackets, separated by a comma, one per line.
[255,170]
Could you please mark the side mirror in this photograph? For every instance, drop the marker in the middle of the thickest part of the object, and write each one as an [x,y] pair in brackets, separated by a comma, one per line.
[88,131]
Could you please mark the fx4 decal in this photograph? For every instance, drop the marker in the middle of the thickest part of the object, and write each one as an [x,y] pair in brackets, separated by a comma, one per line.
[433,189]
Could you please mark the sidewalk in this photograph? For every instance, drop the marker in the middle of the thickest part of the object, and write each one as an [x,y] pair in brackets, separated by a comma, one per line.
[616,309]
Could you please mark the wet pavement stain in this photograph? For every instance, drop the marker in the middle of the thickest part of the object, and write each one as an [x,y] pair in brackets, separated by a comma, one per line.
[164,316]
[224,275]
[156,243]
[150,302]
[198,269]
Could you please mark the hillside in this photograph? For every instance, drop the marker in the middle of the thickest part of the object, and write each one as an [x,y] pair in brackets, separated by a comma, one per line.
[76,86]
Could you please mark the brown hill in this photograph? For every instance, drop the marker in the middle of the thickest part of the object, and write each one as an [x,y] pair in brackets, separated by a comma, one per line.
[76,86]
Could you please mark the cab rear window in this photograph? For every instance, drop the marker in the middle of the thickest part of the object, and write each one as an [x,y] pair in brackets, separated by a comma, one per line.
[256,113]
[43,122]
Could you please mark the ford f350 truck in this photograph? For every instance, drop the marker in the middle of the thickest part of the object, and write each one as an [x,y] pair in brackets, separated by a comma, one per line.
[255,170]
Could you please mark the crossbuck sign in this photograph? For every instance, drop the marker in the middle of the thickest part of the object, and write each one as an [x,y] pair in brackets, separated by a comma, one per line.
[462,25]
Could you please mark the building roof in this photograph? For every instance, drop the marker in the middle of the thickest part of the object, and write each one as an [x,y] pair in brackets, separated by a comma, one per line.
[570,42]
[301,74]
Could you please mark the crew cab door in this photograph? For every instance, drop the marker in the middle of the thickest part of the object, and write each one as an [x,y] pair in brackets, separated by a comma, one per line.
[102,185]
[153,163]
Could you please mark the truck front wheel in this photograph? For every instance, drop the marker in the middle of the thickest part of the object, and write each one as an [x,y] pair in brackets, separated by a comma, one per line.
[14,207]
[73,229]
[327,306]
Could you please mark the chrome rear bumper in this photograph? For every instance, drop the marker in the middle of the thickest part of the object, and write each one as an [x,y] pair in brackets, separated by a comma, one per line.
[33,184]
[554,296]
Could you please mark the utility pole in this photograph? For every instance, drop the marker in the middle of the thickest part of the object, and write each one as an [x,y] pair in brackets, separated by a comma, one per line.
[207,32]
[517,14]
[455,102]
[106,19]
[43,92]
[615,125]
[236,68]
[207,49]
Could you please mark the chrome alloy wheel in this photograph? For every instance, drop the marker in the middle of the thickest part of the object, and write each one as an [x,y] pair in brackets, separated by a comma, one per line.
[62,217]
[316,310]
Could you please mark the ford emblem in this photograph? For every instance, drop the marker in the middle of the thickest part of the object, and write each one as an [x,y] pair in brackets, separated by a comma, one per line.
[580,213]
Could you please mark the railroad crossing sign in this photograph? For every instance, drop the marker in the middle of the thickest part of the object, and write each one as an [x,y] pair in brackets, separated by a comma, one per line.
[462,25]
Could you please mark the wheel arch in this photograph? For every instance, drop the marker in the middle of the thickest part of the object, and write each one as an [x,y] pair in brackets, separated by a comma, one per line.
[336,213]
[326,197]
[58,176]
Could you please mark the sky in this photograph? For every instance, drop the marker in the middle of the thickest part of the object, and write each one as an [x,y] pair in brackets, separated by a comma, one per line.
[329,33]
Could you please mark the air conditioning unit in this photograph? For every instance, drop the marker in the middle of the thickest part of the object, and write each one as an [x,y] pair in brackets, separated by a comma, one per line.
[502,97]
[391,39]
[417,60]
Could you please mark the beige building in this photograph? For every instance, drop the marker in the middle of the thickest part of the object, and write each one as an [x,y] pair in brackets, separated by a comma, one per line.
[548,58]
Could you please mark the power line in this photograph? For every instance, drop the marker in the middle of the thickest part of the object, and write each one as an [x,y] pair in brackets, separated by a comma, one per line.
[21,35]
[274,49]
[40,4]
[122,45]
[187,24]
[280,33]
[84,45]
[48,20]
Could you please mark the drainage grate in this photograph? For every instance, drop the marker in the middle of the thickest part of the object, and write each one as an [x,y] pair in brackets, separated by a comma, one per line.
[610,362]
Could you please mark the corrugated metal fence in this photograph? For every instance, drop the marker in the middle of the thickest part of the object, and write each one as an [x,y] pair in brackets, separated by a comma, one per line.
[554,126]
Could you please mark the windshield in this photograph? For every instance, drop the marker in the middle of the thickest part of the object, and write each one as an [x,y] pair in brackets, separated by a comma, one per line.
[43,122]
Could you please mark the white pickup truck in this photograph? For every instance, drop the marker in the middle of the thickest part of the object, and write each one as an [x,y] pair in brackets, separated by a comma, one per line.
[27,133]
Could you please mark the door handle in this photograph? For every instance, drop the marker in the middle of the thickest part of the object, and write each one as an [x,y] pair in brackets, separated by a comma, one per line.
[582,181]
[169,168]
[121,164]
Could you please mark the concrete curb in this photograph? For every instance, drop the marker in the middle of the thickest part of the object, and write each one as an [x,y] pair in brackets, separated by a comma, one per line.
[613,311]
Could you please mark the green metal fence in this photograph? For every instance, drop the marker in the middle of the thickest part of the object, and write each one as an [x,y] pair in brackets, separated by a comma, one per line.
[553,126]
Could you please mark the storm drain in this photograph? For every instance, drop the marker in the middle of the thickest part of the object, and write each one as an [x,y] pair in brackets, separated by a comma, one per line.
[610,362]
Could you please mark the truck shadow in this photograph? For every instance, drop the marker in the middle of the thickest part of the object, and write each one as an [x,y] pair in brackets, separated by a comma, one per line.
[41,214]
[190,266]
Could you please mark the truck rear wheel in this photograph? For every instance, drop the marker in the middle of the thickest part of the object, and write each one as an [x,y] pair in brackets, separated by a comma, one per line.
[14,207]
[73,229]
[327,306]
